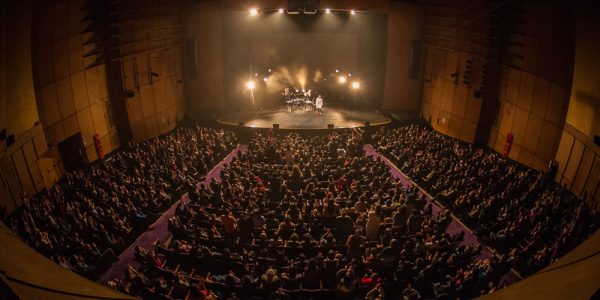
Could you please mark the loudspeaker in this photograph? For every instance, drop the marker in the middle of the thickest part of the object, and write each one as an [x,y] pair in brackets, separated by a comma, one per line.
[415,59]
[329,126]
[275,126]
[367,123]
[597,140]
[190,54]
[241,123]
[10,140]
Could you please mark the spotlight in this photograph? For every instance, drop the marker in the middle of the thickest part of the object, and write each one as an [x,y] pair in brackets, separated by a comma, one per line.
[328,10]
[353,12]
[342,79]
[266,79]
[349,75]
[296,90]
[355,85]
[253,12]
[337,71]
[250,84]
[269,70]
[281,10]
[256,74]
[303,90]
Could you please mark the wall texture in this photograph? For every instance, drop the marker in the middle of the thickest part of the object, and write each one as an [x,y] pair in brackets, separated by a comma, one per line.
[405,25]
[457,47]
[577,155]
[22,165]
[71,91]
[204,90]
[150,34]
[533,73]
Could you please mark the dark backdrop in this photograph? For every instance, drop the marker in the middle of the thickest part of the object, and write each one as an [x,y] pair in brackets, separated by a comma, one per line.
[303,52]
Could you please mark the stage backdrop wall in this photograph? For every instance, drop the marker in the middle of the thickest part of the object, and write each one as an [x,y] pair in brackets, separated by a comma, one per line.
[300,49]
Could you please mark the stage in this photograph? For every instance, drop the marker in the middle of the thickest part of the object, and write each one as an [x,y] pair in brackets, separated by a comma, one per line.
[339,117]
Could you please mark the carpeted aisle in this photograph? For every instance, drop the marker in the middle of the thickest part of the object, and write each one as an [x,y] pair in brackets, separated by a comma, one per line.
[158,229]
[455,226]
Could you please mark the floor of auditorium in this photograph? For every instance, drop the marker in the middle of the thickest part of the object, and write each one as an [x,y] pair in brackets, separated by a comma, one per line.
[159,229]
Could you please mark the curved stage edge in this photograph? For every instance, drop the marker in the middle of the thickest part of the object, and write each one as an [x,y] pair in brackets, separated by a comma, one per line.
[341,118]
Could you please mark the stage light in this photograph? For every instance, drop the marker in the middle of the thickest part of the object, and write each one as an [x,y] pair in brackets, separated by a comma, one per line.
[296,90]
[349,75]
[303,90]
[269,70]
[250,84]
[342,79]
[281,10]
[256,74]
[337,71]
[355,85]
[328,10]
[266,79]
[253,12]
[353,12]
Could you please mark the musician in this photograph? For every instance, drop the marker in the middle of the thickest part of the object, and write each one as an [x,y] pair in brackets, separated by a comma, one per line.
[319,104]
[287,95]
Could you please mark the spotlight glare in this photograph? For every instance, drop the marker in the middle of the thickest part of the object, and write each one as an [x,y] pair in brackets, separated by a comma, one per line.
[328,10]
[342,79]
[269,70]
[266,79]
[250,84]
[253,12]
[337,71]
[355,85]
[349,75]
[296,90]
[256,74]
[353,12]
[303,90]
[281,10]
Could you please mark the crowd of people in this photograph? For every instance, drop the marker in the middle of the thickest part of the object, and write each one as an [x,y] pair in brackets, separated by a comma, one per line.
[296,217]
[91,215]
[513,209]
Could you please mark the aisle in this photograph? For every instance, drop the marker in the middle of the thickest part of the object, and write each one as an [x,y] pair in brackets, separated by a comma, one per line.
[455,226]
[158,229]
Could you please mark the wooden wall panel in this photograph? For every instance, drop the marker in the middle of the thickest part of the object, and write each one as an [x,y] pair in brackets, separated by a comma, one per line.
[56,133]
[39,141]
[532,133]
[86,124]
[93,85]
[574,160]
[455,126]
[31,160]
[50,104]
[584,169]
[540,97]
[147,100]
[459,103]
[160,100]
[545,147]
[555,104]
[526,157]
[23,172]
[75,54]
[70,125]
[80,94]
[64,93]
[520,125]
[447,96]
[138,131]
[60,55]
[526,89]
[45,66]
[594,178]
[100,126]
[564,151]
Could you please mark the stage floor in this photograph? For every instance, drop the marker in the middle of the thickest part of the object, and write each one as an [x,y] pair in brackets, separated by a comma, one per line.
[339,117]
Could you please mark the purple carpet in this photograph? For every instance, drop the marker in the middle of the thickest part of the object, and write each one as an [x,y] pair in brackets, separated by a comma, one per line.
[455,226]
[158,230]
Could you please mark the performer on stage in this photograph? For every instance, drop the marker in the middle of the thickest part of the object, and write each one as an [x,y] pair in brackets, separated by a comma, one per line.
[319,103]
[287,96]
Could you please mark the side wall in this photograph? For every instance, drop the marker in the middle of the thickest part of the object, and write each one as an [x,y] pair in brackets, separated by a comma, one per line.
[22,167]
[405,25]
[578,157]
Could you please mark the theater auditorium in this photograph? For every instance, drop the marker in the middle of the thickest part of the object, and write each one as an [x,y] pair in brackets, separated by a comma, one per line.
[299,149]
